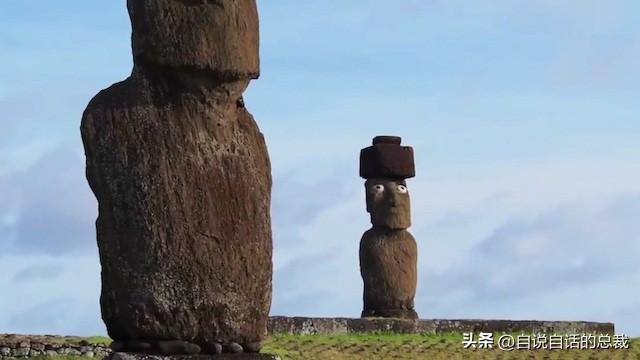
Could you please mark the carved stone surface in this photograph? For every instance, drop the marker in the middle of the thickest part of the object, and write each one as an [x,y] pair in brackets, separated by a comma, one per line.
[183,181]
[217,36]
[13,346]
[328,326]
[388,252]
[385,158]
[388,207]
[388,261]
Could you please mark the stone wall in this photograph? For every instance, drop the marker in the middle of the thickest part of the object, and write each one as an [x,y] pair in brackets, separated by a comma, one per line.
[22,346]
[306,326]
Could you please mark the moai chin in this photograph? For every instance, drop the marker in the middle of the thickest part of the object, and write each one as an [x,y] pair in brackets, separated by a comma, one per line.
[183,182]
[388,252]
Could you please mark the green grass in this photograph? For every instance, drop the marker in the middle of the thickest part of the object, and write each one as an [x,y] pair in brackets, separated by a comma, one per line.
[384,345]
[418,346]
[95,340]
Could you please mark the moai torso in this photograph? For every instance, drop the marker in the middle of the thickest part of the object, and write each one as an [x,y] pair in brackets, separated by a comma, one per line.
[388,252]
[182,178]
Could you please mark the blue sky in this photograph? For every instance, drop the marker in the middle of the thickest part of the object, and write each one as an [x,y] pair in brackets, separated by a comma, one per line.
[523,116]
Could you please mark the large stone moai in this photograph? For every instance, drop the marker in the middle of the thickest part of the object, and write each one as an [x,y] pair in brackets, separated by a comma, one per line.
[388,252]
[183,182]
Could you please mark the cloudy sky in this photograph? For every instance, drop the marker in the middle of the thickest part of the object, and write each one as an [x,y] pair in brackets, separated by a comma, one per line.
[524,116]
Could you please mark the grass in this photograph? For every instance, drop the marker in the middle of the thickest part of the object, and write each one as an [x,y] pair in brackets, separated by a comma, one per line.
[404,346]
[95,340]
[418,346]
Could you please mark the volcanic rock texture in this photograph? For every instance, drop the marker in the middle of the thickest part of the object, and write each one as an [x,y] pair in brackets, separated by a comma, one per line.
[388,252]
[182,177]
[388,267]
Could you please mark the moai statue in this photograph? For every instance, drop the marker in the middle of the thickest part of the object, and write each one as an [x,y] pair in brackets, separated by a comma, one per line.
[388,252]
[183,182]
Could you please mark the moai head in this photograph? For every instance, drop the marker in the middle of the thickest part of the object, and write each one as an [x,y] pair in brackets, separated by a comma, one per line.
[388,203]
[222,35]
[386,165]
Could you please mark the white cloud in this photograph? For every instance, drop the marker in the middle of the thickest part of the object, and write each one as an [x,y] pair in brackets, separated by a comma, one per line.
[65,301]
[48,208]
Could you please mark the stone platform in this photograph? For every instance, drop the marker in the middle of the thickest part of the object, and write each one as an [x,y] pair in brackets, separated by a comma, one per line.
[27,346]
[243,356]
[327,326]
[24,346]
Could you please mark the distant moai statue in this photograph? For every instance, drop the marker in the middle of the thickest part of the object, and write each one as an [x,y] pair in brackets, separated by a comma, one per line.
[388,252]
[183,182]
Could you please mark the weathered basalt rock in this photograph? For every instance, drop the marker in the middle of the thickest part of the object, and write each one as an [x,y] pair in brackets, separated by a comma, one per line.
[219,37]
[388,261]
[387,159]
[388,252]
[182,178]
[281,325]
[25,346]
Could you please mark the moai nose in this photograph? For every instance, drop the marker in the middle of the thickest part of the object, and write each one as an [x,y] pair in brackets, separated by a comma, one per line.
[392,200]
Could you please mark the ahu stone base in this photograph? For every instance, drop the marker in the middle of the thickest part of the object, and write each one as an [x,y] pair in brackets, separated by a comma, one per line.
[139,356]
[330,326]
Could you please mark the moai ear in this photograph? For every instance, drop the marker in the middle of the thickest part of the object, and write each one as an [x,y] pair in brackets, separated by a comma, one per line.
[367,195]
